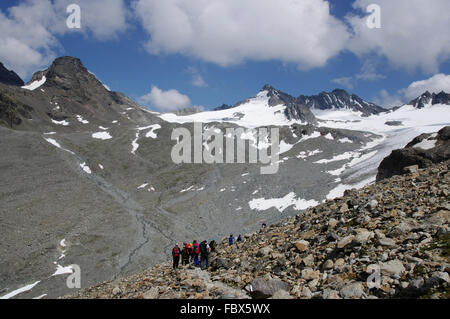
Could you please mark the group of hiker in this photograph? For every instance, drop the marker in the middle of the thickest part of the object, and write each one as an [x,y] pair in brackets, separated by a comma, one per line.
[197,253]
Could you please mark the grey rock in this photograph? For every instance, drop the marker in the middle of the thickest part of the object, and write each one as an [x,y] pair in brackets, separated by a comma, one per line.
[353,290]
[392,268]
[262,288]
[153,293]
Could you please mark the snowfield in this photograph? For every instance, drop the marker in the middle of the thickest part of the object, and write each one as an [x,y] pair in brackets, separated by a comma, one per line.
[36,84]
[253,113]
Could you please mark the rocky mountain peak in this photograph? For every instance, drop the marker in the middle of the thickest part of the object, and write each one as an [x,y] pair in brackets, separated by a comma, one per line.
[9,77]
[340,99]
[427,99]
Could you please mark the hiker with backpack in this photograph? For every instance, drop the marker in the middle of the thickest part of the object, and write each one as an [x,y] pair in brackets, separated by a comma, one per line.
[176,256]
[231,239]
[191,253]
[204,253]
[196,251]
[185,254]
[212,245]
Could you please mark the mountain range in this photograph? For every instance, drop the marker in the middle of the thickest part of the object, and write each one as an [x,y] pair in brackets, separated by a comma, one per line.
[303,106]
[87,175]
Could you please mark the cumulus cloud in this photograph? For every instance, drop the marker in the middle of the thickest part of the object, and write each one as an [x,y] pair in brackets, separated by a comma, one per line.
[345,82]
[368,72]
[29,30]
[435,84]
[413,34]
[170,100]
[229,32]
[197,79]
[104,19]
[387,100]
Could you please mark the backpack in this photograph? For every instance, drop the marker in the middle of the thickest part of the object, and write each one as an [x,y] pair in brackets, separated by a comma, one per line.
[212,244]
[196,248]
[203,248]
[176,252]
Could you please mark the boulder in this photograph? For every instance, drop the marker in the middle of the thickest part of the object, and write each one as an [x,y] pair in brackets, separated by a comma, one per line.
[153,293]
[392,268]
[301,245]
[261,288]
[310,274]
[353,290]
[345,241]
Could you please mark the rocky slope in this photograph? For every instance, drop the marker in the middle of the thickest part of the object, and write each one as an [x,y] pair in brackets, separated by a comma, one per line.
[387,240]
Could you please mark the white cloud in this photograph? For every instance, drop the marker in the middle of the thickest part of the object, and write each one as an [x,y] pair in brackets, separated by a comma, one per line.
[345,82]
[435,84]
[29,30]
[170,100]
[104,19]
[228,32]
[387,100]
[413,34]
[197,79]
[368,72]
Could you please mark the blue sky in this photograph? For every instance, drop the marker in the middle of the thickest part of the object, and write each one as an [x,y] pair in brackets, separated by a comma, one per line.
[121,58]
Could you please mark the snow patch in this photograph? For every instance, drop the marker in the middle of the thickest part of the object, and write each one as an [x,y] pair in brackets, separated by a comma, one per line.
[60,270]
[19,291]
[81,120]
[345,140]
[55,143]
[86,168]
[102,136]
[281,204]
[63,122]
[339,190]
[35,84]
[135,144]
[426,144]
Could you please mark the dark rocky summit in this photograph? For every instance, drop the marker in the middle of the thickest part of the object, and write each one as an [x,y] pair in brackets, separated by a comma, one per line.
[340,99]
[9,77]
[431,99]
[424,151]
[295,109]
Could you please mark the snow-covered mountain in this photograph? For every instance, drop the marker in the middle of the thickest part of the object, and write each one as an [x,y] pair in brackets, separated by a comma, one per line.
[340,100]
[268,107]
[428,99]
[274,107]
